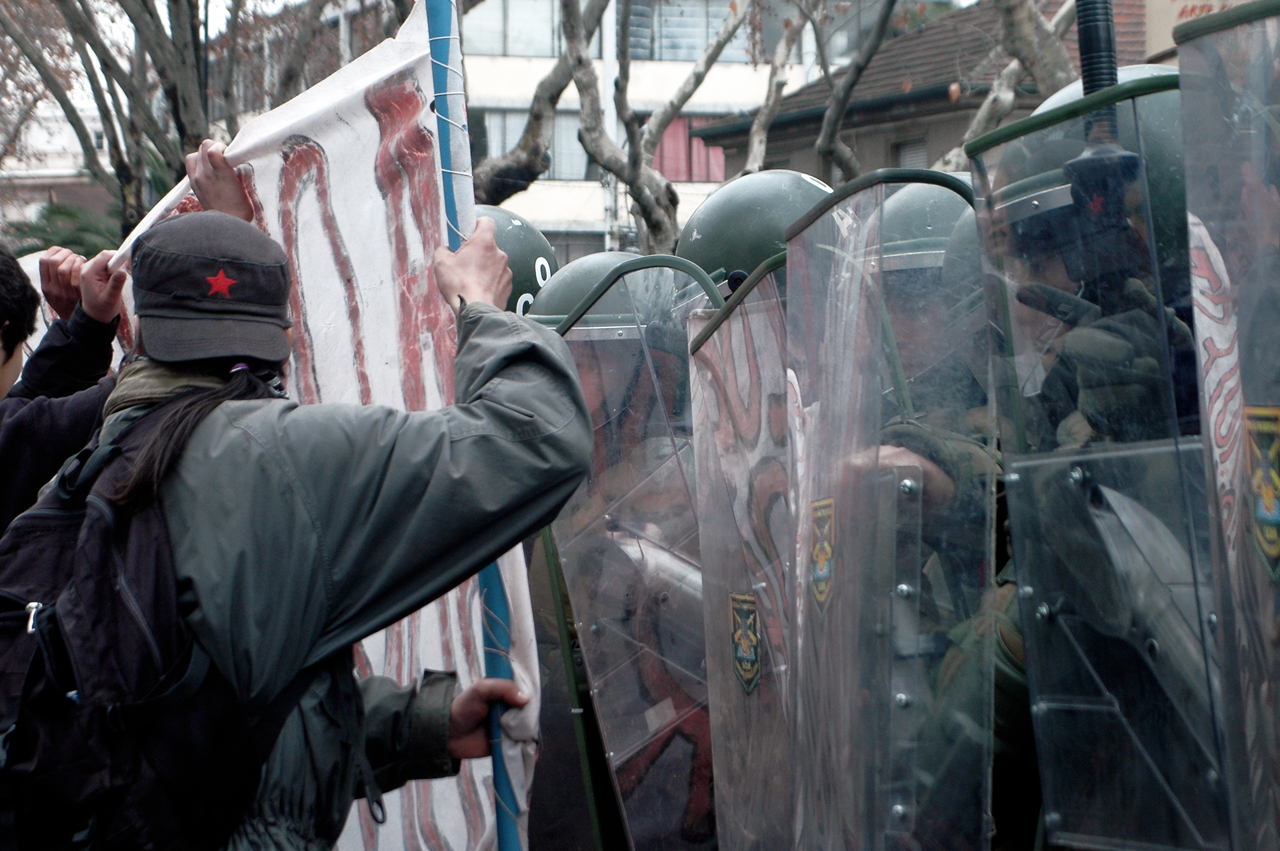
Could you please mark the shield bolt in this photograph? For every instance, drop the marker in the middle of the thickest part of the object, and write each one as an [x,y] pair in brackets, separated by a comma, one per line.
[1213,621]
[908,486]
[899,812]
[904,590]
[1011,478]
[1044,613]
[1212,777]
[595,629]
[1052,820]
[902,700]
[1076,476]
[1026,591]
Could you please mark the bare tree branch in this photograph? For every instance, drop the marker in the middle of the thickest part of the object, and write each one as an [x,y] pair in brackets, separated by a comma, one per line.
[11,138]
[665,114]
[59,93]
[758,136]
[290,79]
[498,178]
[829,144]
[1002,98]
[591,132]
[230,102]
[115,146]
[654,199]
[81,24]
[819,40]
[1027,37]
[631,122]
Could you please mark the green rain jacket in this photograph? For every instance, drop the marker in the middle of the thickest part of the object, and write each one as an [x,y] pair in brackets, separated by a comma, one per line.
[297,531]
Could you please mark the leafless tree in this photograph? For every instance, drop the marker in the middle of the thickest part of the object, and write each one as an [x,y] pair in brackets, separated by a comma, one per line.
[653,197]
[165,54]
[792,29]
[829,146]
[1039,51]
[497,178]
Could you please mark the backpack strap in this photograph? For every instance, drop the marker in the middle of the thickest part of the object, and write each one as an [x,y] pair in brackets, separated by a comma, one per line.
[78,474]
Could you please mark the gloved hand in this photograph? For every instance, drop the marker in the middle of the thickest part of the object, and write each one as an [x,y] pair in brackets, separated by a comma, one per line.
[1117,364]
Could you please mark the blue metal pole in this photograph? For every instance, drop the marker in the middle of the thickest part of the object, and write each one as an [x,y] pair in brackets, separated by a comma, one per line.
[496,614]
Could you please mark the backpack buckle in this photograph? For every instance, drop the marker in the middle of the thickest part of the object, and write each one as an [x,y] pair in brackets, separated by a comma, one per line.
[115,718]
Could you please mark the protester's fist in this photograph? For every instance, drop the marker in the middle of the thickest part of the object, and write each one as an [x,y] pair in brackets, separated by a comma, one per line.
[215,182]
[100,289]
[60,271]
[469,715]
[477,271]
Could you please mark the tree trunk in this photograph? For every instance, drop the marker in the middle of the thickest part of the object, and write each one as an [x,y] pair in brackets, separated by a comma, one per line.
[829,146]
[653,198]
[230,102]
[1002,98]
[497,178]
[35,56]
[1027,37]
[758,136]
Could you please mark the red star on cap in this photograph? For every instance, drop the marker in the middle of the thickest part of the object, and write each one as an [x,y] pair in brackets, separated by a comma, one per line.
[220,284]
[1097,205]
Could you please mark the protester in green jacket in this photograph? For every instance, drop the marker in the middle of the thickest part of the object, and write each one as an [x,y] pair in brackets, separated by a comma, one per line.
[297,531]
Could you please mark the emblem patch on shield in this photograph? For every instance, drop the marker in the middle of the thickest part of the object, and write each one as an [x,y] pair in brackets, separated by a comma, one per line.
[746,639]
[824,545]
[1263,426]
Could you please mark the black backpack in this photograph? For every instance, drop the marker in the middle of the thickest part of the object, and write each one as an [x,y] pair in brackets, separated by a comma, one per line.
[115,729]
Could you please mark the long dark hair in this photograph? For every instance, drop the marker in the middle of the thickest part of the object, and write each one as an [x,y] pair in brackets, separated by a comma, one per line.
[185,412]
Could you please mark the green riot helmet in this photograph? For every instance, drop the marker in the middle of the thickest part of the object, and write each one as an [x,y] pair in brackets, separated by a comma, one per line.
[962,264]
[743,223]
[530,256]
[1067,192]
[654,285]
[916,225]
[573,282]
[915,228]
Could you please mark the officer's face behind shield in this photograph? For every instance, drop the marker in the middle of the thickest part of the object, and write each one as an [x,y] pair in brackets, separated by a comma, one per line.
[1073,246]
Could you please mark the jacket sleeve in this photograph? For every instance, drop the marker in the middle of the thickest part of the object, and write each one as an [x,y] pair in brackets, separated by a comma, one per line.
[406,728]
[303,529]
[73,356]
[37,436]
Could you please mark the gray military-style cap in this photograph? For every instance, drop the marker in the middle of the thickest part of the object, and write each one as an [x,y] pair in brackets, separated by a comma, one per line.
[209,285]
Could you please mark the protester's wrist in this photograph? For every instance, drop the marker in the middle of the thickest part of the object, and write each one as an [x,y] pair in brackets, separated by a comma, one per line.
[85,327]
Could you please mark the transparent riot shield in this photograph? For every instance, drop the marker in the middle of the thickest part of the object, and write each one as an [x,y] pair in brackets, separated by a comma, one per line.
[1230,106]
[739,390]
[1083,223]
[891,486]
[628,547]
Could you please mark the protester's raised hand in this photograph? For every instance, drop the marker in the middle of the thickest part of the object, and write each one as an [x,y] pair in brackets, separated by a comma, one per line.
[100,289]
[60,271]
[477,271]
[215,182]
[469,715]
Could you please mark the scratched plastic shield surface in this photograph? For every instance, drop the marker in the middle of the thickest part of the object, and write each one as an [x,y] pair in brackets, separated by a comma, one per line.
[628,546]
[739,390]
[890,663]
[1230,103]
[1105,481]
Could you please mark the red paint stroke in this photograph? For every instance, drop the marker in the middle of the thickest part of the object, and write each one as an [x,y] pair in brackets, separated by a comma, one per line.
[405,169]
[743,416]
[306,166]
[694,727]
